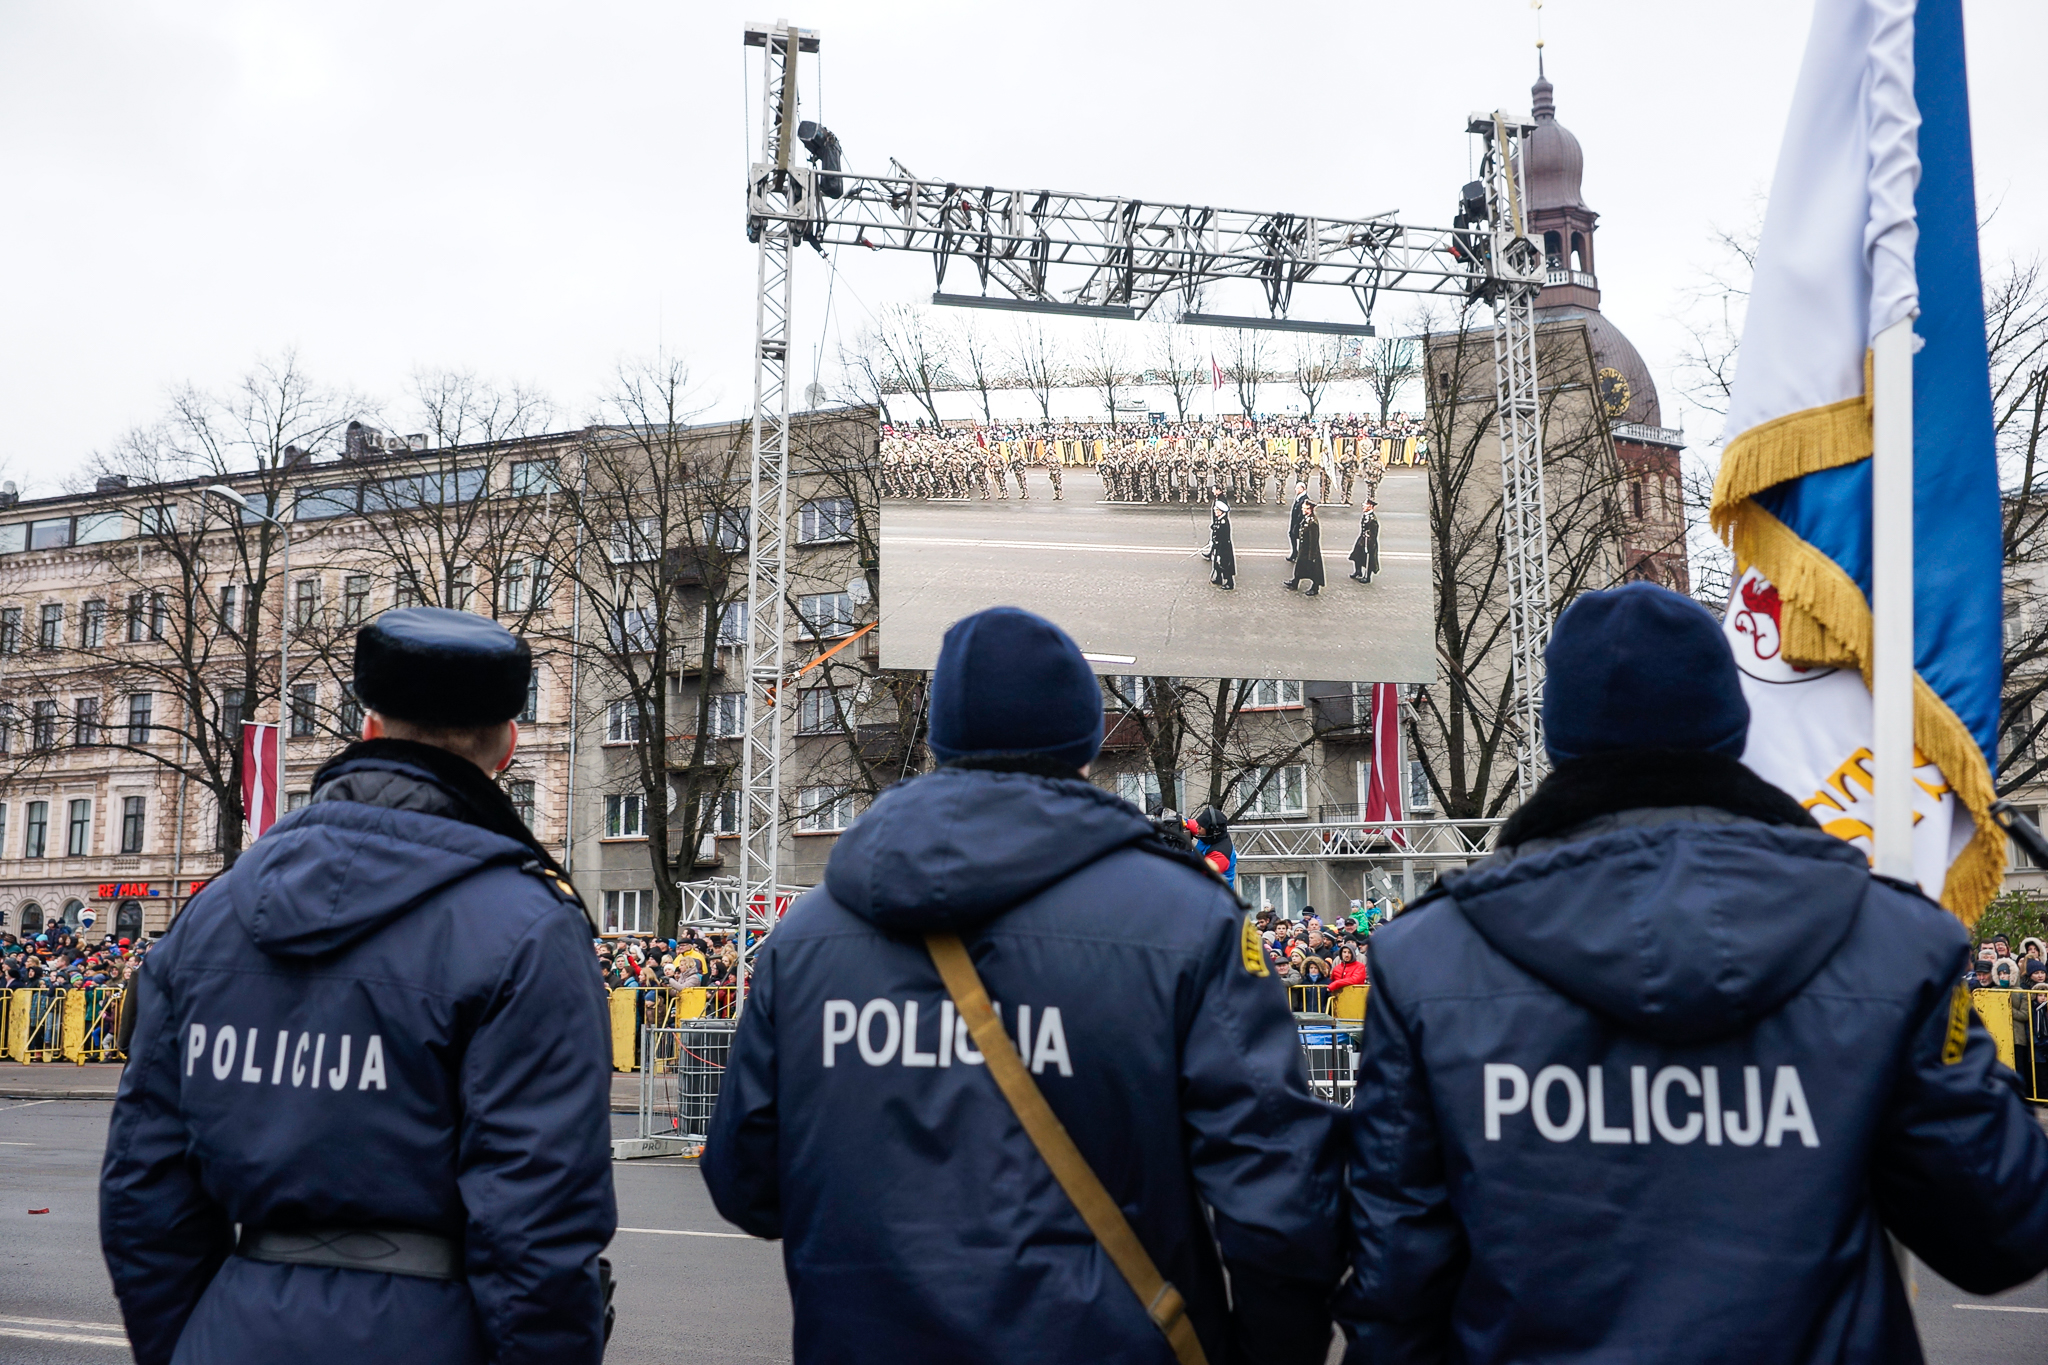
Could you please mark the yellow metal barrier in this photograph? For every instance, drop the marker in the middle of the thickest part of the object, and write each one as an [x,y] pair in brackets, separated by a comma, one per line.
[46,1025]
[1348,1003]
[2018,1024]
[14,1042]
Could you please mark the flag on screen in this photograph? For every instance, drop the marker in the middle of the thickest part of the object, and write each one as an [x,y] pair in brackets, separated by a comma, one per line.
[1215,375]
[1383,780]
[259,776]
[1872,216]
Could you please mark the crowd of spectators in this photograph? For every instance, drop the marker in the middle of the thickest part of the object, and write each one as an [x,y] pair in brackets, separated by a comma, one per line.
[689,960]
[1997,967]
[64,958]
[1315,957]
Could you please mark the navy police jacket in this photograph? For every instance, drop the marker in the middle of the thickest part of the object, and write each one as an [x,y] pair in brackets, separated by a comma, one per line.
[387,1015]
[857,1123]
[1652,1083]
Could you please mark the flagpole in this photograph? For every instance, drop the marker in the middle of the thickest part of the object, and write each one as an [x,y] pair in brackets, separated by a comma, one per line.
[1891,685]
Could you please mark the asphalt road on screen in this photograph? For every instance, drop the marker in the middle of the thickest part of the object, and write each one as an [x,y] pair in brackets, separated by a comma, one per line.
[691,1286]
[1130,583]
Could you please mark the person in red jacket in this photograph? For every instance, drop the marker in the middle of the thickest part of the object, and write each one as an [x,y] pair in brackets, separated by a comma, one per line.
[1349,971]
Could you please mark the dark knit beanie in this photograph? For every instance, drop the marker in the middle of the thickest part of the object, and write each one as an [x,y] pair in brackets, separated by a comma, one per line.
[1640,667]
[1009,682]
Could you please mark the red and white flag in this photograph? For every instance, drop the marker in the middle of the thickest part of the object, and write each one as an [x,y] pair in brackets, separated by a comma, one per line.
[1383,782]
[1215,375]
[259,776]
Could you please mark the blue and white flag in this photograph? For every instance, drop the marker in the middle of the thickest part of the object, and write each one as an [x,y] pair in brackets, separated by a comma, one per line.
[1872,219]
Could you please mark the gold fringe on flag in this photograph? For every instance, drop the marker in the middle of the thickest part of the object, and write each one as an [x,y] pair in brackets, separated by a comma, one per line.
[1825,622]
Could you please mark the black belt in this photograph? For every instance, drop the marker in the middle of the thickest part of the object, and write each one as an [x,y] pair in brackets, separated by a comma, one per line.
[392,1251]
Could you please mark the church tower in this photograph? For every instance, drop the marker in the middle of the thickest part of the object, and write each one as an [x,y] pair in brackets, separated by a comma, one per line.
[1553,170]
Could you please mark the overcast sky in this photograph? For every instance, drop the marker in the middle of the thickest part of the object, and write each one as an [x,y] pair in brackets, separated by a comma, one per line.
[537,192]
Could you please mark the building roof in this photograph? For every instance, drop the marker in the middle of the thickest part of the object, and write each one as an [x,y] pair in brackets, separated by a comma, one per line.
[1553,165]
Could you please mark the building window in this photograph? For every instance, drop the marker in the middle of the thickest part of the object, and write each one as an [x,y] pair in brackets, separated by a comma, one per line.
[31,919]
[139,708]
[824,521]
[10,631]
[823,710]
[1142,790]
[628,912]
[231,608]
[1635,498]
[726,528]
[3,829]
[49,535]
[85,714]
[1269,693]
[92,624]
[159,615]
[231,715]
[530,712]
[408,592]
[635,630]
[158,519]
[138,617]
[305,602]
[825,810]
[728,715]
[826,615]
[1128,692]
[732,625]
[355,599]
[350,719]
[43,729]
[305,701]
[132,808]
[521,793]
[622,723]
[1419,798]
[723,815]
[625,817]
[635,542]
[35,830]
[51,633]
[1274,792]
[78,840]
[461,586]
[512,586]
[534,476]
[297,801]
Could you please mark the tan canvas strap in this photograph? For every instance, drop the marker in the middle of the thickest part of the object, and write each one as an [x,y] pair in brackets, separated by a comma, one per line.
[1098,1210]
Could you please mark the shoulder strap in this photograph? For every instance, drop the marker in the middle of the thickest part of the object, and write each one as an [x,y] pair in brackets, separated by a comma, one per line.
[1163,1303]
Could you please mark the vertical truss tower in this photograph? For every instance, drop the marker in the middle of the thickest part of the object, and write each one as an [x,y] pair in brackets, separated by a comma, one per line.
[768,502]
[1525,526]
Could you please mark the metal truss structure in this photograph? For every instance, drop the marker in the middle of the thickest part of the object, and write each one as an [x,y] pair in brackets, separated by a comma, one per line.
[1438,843]
[1113,257]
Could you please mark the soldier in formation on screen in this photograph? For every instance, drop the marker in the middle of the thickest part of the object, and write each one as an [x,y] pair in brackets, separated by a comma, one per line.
[1222,555]
[1308,553]
[1365,551]
[1052,471]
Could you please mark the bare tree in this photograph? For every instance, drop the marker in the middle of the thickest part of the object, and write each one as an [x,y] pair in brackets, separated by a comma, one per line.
[865,383]
[1247,367]
[1105,367]
[1039,362]
[655,513]
[911,354]
[972,345]
[1316,363]
[1178,365]
[1462,727]
[1391,364]
[179,647]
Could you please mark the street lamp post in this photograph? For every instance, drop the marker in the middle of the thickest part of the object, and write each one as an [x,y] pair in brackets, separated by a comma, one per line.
[284,646]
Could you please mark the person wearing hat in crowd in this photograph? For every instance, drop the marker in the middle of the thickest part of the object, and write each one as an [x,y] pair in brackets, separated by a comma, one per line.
[1222,555]
[1308,553]
[1365,551]
[1654,1079]
[1295,515]
[866,1114]
[377,1046]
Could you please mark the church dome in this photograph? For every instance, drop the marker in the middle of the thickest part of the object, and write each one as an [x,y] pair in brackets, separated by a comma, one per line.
[1552,164]
[1612,350]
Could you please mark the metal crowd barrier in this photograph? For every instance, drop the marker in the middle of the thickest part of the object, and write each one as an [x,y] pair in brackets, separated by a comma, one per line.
[2018,1024]
[680,1071]
[661,1007]
[46,1025]
[1330,1036]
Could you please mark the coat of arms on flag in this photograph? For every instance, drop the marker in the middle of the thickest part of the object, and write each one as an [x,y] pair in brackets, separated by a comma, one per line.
[1872,222]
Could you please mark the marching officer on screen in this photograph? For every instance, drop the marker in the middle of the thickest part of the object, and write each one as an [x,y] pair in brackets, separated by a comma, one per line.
[1222,555]
[945,1060]
[378,1047]
[1294,520]
[1365,551]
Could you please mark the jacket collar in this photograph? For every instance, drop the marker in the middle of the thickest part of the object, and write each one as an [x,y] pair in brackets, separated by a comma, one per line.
[1583,789]
[464,792]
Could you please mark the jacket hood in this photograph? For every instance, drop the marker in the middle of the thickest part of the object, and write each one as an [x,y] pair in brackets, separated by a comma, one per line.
[340,869]
[958,847]
[1679,928]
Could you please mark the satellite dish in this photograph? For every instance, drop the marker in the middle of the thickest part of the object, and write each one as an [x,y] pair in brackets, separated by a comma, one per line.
[671,798]
[857,589]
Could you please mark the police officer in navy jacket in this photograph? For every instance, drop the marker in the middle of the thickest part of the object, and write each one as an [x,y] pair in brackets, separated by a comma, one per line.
[856,1122]
[378,1045]
[1652,1081]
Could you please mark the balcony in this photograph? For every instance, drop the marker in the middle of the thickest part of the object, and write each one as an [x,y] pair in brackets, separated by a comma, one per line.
[1556,276]
[1649,435]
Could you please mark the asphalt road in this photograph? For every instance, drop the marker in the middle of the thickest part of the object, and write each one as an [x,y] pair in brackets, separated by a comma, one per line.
[1130,585]
[691,1287]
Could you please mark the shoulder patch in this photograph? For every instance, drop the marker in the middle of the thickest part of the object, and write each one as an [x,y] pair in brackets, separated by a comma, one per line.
[559,885]
[1958,1027]
[1253,949]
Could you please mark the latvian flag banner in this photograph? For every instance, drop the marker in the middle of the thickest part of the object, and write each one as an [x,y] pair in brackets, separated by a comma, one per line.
[1872,219]
[259,776]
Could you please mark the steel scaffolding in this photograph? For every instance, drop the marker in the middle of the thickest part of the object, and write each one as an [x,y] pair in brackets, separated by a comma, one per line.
[1111,257]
